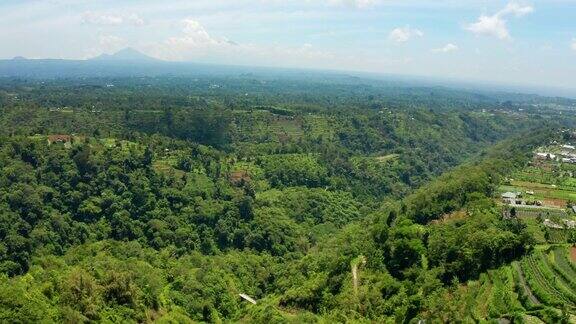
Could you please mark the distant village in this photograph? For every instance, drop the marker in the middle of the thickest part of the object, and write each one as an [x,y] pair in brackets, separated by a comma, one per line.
[530,196]
[566,155]
[517,199]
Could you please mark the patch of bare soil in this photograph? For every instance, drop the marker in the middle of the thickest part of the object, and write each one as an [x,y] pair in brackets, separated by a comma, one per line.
[552,202]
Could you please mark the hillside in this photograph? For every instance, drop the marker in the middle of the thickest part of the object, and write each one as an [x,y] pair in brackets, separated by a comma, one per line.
[251,200]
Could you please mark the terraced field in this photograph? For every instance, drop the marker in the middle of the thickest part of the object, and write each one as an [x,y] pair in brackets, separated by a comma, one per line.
[551,182]
[540,212]
[545,280]
[550,277]
[538,289]
[494,296]
[503,298]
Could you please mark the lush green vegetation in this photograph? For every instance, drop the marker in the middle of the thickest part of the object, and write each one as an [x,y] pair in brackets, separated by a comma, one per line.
[324,201]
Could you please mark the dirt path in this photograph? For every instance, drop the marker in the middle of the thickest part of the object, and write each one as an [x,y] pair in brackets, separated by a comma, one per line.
[573,254]
[527,290]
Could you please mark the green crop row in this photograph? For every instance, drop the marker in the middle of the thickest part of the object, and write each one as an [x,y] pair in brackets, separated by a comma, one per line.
[540,286]
[566,276]
[522,288]
[555,280]
[503,298]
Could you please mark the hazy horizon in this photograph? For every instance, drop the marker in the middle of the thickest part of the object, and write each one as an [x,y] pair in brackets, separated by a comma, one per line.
[530,43]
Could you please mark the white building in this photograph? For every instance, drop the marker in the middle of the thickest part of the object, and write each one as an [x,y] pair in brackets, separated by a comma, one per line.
[546,156]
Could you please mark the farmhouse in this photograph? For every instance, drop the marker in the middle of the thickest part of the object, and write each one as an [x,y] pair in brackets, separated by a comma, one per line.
[64,139]
[238,178]
[545,156]
[510,197]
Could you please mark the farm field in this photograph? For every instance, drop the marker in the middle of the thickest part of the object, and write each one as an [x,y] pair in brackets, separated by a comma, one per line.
[547,191]
[549,183]
[545,279]
[550,195]
[265,125]
[544,235]
[550,277]
[554,207]
[539,288]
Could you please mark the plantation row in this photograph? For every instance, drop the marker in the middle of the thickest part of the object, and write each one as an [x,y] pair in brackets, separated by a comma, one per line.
[492,296]
[524,292]
[551,278]
[556,236]
[538,212]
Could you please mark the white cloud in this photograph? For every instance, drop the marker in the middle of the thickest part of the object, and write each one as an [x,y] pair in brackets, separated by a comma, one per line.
[573,46]
[196,43]
[195,33]
[490,25]
[111,43]
[404,34]
[446,49]
[516,9]
[98,18]
[496,25]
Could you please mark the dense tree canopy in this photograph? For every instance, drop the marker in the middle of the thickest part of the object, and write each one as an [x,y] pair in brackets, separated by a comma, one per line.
[164,199]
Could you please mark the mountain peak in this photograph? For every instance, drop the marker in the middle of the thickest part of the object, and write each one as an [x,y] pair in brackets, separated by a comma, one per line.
[127,54]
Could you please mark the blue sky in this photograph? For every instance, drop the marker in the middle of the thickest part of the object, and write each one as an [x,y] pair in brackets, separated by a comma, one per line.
[519,42]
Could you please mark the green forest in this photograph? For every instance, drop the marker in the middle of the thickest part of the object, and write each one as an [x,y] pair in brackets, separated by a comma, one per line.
[172,199]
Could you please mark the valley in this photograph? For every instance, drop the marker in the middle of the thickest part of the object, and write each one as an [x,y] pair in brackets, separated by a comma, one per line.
[309,202]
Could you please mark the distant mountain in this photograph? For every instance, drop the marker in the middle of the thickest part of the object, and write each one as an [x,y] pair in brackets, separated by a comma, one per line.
[125,55]
[125,63]
[132,63]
